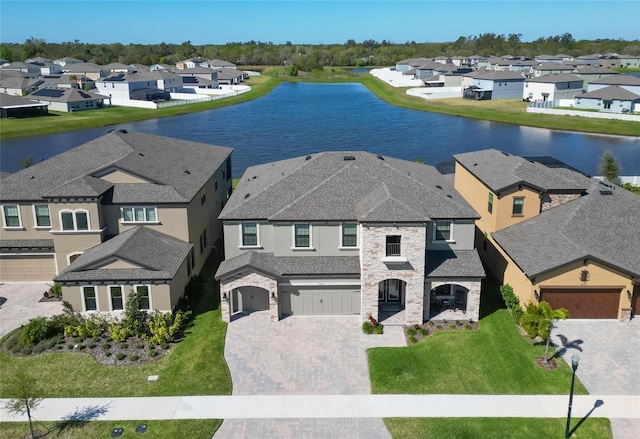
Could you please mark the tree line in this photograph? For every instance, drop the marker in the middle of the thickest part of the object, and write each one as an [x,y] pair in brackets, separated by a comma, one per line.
[308,56]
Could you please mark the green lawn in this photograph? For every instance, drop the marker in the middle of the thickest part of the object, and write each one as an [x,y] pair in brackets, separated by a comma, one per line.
[495,428]
[192,429]
[196,366]
[495,359]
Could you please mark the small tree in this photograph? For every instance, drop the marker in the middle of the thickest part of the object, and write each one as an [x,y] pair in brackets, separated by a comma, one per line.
[24,391]
[609,166]
[548,316]
[135,319]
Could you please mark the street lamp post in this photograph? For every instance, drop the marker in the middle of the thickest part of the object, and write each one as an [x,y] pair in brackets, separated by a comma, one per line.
[574,365]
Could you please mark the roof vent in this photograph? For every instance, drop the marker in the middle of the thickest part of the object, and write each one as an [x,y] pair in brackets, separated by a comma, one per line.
[254,177]
[347,158]
[187,172]
[504,153]
[32,177]
[606,193]
[380,157]
[122,131]
[475,164]
[141,154]
[246,196]
[439,187]
[308,157]
[449,196]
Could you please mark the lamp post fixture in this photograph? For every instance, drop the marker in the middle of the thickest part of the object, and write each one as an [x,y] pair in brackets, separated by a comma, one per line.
[574,365]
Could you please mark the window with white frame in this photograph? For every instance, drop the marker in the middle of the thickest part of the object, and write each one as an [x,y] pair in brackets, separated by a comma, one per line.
[443,231]
[145,299]
[11,215]
[117,297]
[136,214]
[249,233]
[74,220]
[43,217]
[349,235]
[90,301]
[302,235]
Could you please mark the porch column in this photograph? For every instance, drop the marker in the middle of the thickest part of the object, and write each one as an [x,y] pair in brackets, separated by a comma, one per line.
[225,308]
[274,314]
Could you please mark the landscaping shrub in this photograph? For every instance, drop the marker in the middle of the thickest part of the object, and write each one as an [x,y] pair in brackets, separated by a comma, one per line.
[56,290]
[467,326]
[411,331]
[133,357]
[70,346]
[35,331]
[367,327]
[135,319]
[163,327]
[153,353]
[120,356]
[118,331]
[107,353]
[139,345]
[92,344]
[413,340]
[517,313]
[510,299]
[164,345]
[122,346]
[530,320]
[423,332]
[26,350]
[379,329]
[68,318]
[106,345]
[81,346]
[452,326]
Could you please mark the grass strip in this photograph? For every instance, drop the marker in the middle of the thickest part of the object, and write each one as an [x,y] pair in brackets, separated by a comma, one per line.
[495,428]
[192,429]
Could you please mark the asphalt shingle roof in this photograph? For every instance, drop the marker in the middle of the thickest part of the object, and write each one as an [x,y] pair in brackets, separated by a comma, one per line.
[454,263]
[500,170]
[26,243]
[290,265]
[327,187]
[611,92]
[159,257]
[601,225]
[177,169]
[555,79]
[618,80]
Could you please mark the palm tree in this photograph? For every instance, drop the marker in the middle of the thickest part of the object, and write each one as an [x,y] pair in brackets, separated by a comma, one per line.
[548,316]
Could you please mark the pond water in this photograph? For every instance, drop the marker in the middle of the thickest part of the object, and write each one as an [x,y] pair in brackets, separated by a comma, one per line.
[301,118]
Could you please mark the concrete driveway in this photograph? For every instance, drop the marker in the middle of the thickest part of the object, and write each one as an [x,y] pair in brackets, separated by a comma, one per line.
[303,355]
[20,303]
[609,354]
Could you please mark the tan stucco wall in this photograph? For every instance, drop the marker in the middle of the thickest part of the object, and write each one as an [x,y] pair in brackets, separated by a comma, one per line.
[160,296]
[28,221]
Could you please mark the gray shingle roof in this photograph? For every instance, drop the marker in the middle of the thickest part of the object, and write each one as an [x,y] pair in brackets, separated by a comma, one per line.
[611,92]
[496,75]
[158,255]
[618,80]
[500,170]
[11,101]
[160,160]
[327,187]
[454,263]
[555,79]
[290,265]
[595,226]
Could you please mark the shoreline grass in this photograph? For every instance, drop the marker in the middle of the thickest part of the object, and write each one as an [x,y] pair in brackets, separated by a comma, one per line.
[509,111]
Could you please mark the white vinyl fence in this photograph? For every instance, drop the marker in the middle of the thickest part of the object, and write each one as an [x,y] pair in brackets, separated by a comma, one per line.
[436,92]
[549,108]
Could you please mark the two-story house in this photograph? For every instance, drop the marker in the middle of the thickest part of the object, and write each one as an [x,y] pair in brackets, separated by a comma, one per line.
[126,211]
[554,234]
[348,233]
[551,87]
[137,86]
[492,85]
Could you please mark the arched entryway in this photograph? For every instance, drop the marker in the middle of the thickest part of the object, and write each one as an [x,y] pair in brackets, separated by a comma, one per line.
[391,300]
[249,299]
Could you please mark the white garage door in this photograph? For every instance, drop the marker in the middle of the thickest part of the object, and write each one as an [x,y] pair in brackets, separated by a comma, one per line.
[27,268]
[321,301]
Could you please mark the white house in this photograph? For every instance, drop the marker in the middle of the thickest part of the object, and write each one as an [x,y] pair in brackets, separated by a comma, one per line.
[552,87]
[612,98]
[493,85]
[121,85]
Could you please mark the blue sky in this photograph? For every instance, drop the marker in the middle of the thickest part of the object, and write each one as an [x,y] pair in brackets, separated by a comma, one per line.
[312,22]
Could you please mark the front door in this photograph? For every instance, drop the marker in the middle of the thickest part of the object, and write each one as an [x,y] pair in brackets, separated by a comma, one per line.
[391,290]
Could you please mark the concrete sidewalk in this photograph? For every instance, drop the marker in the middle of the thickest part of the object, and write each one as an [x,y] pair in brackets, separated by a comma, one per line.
[331,406]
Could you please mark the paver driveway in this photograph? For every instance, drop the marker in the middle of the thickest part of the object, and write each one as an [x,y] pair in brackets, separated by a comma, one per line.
[297,356]
[609,354]
[20,302]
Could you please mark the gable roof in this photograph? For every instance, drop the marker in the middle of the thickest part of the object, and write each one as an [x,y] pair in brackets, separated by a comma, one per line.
[64,95]
[554,79]
[618,80]
[12,101]
[333,186]
[601,225]
[159,257]
[500,170]
[611,92]
[177,169]
[496,75]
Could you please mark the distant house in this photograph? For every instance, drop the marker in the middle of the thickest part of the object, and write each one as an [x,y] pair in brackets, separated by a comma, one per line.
[628,82]
[493,85]
[191,63]
[629,61]
[18,85]
[47,67]
[69,81]
[590,74]
[18,107]
[67,100]
[555,59]
[90,70]
[612,98]
[552,87]
[220,63]
[195,84]
[229,76]
[411,63]
[167,81]
[127,86]
[32,70]
[200,72]
[67,60]
[552,69]
[588,60]
[161,67]
[116,67]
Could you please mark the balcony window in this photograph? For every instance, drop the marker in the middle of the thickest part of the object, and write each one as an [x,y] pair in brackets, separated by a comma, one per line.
[393,245]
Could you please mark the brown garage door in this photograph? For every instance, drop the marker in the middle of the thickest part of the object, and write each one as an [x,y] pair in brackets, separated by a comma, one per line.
[585,303]
[27,268]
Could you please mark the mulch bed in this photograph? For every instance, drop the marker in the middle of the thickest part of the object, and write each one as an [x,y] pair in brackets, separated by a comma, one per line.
[550,365]
[104,350]
[415,333]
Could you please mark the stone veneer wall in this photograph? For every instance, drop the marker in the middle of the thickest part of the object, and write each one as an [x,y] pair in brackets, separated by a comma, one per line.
[249,279]
[373,270]
[473,295]
[553,200]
